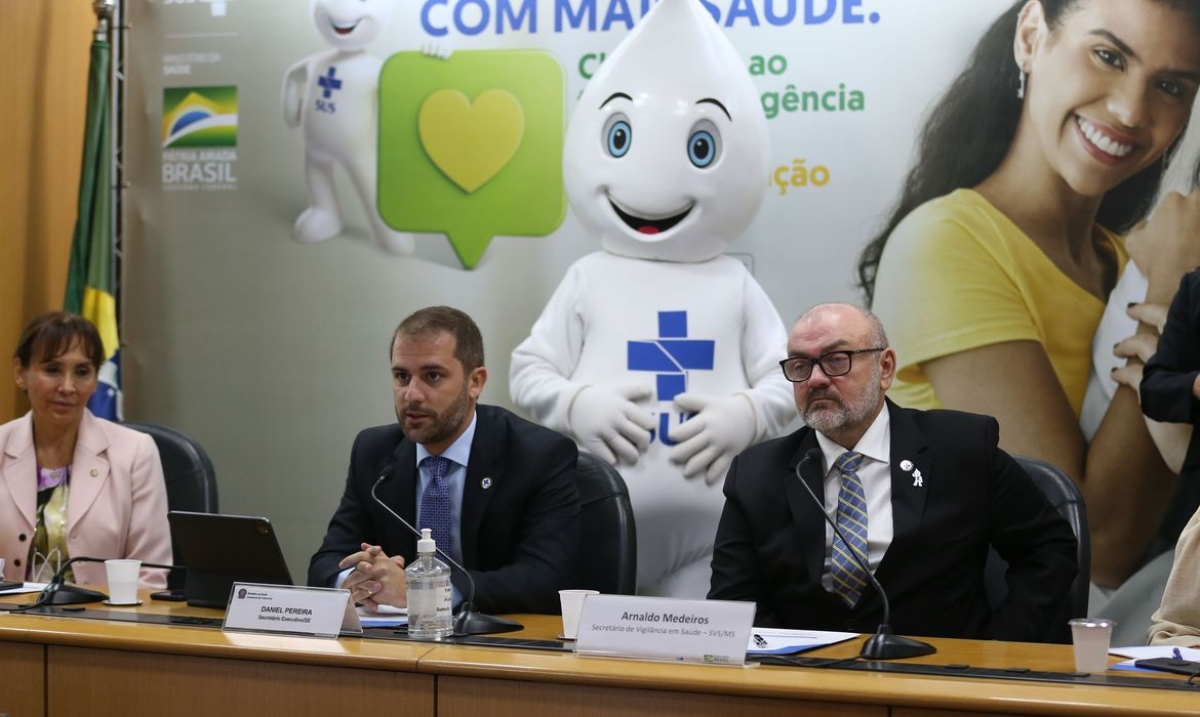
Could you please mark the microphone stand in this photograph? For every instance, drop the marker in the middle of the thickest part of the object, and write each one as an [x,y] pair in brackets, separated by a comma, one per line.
[58,592]
[883,645]
[468,621]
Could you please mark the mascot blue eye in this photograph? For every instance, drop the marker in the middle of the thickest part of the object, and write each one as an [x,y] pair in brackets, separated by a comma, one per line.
[620,136]
[702,148]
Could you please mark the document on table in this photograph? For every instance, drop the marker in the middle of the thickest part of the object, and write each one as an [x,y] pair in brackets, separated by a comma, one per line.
[26,588]
[771,641]
[1146,652]
[383,616]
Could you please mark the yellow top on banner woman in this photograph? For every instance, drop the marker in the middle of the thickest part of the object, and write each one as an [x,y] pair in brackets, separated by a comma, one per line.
[1005,289]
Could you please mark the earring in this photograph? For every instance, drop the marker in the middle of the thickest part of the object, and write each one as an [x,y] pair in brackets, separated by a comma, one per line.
[1021,86]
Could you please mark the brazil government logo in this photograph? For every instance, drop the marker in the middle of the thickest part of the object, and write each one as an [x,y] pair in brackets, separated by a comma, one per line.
[199,138]
[200,117]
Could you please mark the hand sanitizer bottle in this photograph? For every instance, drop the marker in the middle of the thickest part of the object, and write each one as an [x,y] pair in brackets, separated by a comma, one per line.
[428,587]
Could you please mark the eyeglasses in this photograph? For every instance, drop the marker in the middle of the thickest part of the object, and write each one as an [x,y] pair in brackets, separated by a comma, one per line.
[798,369]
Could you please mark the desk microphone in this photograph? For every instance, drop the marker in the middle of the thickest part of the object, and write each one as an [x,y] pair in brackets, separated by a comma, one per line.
[58,592]
[468,621]
[883,645]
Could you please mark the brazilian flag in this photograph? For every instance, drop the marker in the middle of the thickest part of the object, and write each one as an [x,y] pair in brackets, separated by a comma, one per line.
[90,281]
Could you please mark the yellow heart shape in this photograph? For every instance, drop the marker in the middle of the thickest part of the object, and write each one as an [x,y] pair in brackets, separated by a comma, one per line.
[470,142]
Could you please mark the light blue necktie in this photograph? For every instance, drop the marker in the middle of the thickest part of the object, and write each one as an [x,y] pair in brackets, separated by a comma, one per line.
[435,502]
[849,578]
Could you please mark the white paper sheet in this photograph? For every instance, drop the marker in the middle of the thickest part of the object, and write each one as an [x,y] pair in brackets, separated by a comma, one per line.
[771,641]
[1145,652]
[26,588]
[383,616]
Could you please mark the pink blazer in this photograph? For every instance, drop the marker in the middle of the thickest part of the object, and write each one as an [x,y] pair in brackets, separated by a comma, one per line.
[116,508]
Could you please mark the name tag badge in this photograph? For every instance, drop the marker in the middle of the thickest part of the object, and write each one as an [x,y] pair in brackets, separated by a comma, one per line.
[707,632]
[315,612]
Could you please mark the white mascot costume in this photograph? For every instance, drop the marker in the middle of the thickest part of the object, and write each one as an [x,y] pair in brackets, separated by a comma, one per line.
[665,161]
[335,96]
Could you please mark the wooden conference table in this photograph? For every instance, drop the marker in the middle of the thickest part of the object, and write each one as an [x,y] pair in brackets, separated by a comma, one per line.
[60,666]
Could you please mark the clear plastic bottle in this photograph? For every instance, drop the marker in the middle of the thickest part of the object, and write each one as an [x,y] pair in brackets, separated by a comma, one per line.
[428,588]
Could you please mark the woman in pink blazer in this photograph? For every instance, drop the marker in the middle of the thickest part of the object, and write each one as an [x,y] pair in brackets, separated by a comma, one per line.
[71,484]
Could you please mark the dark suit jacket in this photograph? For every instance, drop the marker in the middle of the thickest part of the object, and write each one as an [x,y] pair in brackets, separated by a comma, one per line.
[770,545]
[1167,395]
[519,535]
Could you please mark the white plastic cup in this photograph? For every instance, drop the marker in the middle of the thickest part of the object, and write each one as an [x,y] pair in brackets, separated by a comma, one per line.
[122,581]
[1091,637]
[572,606]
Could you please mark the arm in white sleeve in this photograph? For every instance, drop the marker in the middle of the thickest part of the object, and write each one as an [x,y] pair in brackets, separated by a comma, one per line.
[539,377]
[764,344]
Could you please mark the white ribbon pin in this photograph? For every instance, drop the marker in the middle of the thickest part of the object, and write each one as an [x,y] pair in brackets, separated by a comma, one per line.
[917,482]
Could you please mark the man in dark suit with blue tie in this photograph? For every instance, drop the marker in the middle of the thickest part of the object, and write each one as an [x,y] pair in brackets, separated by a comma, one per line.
[919,497]
[498,492]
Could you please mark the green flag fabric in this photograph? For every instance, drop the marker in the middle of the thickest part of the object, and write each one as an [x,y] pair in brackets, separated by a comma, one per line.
[90,290]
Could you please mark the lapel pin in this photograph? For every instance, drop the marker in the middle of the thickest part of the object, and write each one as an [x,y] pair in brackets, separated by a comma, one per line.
[486,482]
[906,465]
[917,481]
[95,472]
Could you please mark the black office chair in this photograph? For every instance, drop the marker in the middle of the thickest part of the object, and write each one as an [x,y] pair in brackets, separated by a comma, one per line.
[1064,495]
[190,478]
[607,559]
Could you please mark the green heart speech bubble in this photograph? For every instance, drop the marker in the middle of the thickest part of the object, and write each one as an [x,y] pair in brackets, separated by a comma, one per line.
[471,146]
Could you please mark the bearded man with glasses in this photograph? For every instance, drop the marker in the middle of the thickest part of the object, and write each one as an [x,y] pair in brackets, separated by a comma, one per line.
[918,496]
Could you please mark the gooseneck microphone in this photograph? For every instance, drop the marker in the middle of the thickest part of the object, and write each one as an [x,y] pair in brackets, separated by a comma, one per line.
[468,621]
[58,592]
[883,645]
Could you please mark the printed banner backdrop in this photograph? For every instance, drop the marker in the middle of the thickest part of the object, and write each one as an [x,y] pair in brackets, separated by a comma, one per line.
[257,326]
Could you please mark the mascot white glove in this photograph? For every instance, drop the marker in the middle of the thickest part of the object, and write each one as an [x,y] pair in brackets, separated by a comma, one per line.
[609,423]
[708,441]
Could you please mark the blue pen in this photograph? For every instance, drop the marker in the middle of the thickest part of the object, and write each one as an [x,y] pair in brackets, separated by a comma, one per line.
[1177,654]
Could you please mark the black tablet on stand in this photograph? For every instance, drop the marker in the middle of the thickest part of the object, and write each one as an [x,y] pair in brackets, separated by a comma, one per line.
[219,550]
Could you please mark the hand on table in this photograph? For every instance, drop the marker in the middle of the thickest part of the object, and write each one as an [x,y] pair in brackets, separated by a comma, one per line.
[377,579]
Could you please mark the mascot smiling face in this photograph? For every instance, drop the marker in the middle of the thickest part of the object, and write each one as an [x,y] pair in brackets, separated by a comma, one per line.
[666,155]
[351,24]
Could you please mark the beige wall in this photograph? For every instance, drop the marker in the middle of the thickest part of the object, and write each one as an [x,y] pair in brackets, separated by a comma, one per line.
[44,50]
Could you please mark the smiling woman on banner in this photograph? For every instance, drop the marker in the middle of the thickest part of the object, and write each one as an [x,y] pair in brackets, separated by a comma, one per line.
[73,484]
[992,274]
